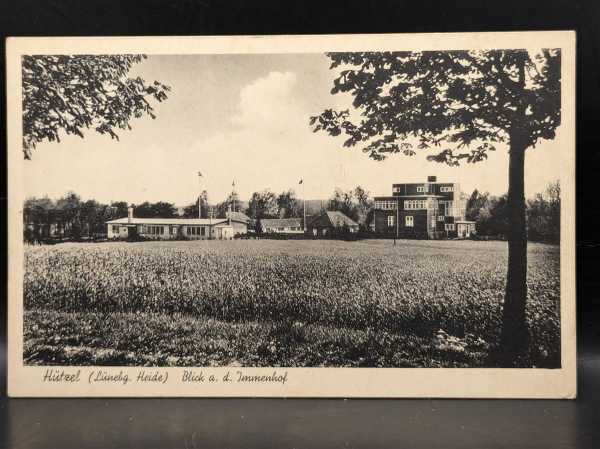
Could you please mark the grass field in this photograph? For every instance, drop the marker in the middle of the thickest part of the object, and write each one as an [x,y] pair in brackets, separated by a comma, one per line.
[281,303]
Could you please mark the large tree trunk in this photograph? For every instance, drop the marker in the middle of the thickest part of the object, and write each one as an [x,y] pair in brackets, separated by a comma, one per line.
[514,340]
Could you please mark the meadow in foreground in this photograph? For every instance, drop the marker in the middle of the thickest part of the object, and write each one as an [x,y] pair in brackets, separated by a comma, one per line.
[281,303]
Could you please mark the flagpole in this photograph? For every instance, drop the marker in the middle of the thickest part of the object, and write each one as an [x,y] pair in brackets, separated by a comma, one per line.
[233,195]
[199,195]
[304,205]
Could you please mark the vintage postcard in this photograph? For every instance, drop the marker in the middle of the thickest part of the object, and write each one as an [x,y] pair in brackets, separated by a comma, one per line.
[292,216]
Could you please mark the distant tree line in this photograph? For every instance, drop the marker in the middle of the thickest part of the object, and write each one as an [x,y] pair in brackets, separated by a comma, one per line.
[542,214]
[70,217]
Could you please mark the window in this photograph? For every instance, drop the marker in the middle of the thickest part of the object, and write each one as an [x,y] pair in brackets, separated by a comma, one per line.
[193,230]
[448,208]
[409,221]
[385,205]
[447,189]
[449,226]
[115,229]
[415,204]
[390,220]
[396,189]
[440,218]
[421,189]
[202,231]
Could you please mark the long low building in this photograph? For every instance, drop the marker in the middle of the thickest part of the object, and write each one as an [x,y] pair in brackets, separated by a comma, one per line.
[175,228]
[282,226]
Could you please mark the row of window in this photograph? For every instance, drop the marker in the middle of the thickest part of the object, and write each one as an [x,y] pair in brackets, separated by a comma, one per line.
[447,206]
[415,204]
[283,229]
[153,230]
[409,222]
[423,189]
[196,230]
[385,205]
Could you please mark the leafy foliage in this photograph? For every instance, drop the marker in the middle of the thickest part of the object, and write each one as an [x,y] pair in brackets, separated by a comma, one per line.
[72,93]
[543,214]
[70,217]
[159,209]
[191,211]
[289,206]
[263,205]
[355,204]
[461,102]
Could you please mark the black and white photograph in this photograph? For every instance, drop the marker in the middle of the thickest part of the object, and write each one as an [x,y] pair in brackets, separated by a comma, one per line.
[317,209]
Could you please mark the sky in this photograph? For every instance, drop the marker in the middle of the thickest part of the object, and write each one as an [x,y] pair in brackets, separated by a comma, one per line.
[244,119]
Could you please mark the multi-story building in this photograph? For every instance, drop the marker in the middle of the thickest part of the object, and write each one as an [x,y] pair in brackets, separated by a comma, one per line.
[425,210]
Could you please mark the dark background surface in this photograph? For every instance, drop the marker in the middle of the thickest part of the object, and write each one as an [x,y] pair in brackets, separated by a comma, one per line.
[224,423]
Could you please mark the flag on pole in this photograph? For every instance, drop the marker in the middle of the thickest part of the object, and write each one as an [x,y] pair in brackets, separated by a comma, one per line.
[200,174]
[233,183]
[301,181]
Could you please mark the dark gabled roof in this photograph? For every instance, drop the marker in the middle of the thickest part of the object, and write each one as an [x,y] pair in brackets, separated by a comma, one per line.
[332,218]
[238,216]
[281,222]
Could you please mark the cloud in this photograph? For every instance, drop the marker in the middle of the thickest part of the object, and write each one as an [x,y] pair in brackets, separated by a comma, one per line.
[260,136]
[268,102]
[270,144]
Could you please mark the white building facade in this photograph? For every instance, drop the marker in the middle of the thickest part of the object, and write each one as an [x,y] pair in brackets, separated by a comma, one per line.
[174,228]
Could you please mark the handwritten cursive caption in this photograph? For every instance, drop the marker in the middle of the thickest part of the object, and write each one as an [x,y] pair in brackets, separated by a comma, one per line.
[188,376]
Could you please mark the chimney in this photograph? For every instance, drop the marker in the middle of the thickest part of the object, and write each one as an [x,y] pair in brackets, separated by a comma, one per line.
[129,213]
[432,179]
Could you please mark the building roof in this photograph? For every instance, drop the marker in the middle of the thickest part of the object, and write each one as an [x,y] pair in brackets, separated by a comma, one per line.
[281,222]
[223,224]
[168,221]
[333,218]
[238,216]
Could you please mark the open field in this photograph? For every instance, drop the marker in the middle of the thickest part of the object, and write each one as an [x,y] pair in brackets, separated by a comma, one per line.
[281,303]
